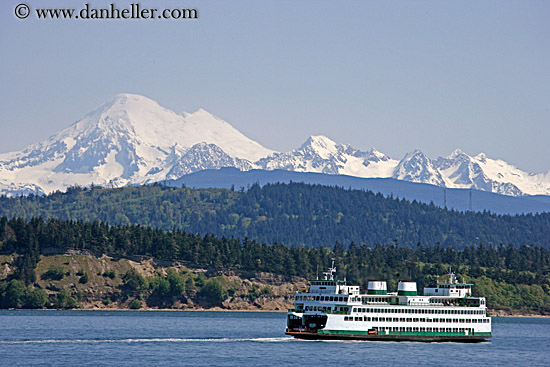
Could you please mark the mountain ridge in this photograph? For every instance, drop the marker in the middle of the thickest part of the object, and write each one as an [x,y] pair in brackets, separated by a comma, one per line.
[131,139]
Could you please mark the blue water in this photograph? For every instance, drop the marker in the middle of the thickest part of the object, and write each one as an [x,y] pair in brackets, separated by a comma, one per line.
[142,338]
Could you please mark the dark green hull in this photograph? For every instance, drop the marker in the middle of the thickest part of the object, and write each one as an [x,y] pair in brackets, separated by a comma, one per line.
[393,337]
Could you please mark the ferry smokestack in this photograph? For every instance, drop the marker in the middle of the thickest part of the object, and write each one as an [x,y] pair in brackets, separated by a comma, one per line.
[377,287]
[406,289]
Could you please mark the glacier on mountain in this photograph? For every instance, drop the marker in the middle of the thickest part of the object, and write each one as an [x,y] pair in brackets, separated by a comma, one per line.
[131,139]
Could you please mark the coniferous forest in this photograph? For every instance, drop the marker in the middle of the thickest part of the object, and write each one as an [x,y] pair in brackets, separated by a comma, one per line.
[293,214]
[512,278]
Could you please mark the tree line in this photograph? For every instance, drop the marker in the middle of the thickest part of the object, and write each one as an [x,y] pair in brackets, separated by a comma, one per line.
[513,277]
[295,214]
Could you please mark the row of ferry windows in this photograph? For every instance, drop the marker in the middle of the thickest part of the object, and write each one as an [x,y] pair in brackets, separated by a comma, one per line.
[322,298]
[419,310]
[411,319]
[324,309]
[324,283]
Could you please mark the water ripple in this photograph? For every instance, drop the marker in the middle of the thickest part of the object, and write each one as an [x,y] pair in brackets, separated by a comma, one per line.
[148,340]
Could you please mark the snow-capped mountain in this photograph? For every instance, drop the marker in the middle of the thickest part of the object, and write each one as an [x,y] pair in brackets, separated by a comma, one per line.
[482,173]
[320,154]
[131,139]
[458,170]
[416,167]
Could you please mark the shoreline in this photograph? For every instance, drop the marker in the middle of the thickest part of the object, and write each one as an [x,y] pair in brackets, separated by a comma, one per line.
[219,309]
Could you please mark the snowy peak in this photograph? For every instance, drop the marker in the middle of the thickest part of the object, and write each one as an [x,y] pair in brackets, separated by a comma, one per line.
[321,145]
[323,155]
[131,139]
[457,153]
[416,167]
[205,156]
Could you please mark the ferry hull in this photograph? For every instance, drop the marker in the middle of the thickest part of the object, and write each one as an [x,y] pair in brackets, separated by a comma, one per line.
[308,335]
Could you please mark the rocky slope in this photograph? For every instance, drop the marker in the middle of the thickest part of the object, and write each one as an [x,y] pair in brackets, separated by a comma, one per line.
[104,285]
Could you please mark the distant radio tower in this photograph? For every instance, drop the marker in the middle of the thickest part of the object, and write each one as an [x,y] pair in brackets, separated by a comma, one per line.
[470,200]
[445,198]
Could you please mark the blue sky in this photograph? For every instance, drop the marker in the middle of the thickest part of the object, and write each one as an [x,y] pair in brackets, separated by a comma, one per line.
[394,75]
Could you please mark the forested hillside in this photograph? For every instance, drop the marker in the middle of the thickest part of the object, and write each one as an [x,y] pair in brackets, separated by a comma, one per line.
[294,214]
[512,278]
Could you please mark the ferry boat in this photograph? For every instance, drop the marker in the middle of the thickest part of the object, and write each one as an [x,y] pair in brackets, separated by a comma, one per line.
[331,309]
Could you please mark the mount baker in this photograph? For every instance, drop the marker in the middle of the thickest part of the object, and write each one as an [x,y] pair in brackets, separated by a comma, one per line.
[131,139]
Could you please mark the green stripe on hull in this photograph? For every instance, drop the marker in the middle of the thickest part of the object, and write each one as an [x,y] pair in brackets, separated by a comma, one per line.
[360,335]
[406,333]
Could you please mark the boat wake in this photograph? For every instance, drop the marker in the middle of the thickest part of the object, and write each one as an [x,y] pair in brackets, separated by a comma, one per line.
[149,340]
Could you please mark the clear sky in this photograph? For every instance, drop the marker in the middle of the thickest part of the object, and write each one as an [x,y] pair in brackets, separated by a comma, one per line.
[394,75]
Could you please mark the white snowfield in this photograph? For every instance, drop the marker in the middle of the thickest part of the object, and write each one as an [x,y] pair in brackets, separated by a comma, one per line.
[131,139]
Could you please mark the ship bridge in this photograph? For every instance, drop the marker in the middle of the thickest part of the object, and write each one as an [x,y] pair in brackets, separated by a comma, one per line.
[450,288]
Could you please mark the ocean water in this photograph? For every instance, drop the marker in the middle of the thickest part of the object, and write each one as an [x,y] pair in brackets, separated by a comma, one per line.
[156,338]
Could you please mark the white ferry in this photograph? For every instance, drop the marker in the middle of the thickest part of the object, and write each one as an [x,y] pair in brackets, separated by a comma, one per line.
[331,309]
